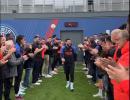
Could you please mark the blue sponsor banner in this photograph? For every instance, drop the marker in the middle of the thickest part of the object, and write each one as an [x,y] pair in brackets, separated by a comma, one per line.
[32,27]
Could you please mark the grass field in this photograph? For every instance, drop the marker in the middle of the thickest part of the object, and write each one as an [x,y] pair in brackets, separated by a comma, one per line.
[54,88]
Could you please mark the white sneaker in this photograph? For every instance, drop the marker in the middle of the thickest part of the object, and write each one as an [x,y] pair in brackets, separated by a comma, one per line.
[51,73]
[54,73]
[84,68]
[98,95]
[39,81]
[55,69]
[67,84]
[16,95]
[86,72]
[20,93]
[37,84]
[71,86]
[43,75]
[22,87]
[48,76]
[22,90]
[89,76]
[84,64]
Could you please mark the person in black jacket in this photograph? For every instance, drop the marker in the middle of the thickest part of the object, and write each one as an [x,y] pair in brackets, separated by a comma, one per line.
[50,53]
[56,48]
[108,51]
[28,65]
[38,61]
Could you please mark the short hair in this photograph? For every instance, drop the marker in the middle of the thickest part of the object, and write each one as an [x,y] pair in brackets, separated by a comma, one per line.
[123,26]
[54,36]
[102,39]
[19,38]
[37,36]
[8,35]
[123,33]
[67,39]
[108,39]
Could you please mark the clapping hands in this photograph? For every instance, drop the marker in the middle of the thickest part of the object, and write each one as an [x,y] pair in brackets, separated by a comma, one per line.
[118,73]
[25,57]
[55,48]
[12,50]
[104,62]
[2,62]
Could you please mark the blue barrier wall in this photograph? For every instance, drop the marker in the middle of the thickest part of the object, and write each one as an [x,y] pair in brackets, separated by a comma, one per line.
[31,27]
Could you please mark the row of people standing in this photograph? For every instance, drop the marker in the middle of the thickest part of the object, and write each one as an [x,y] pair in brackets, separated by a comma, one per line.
[38,59]
[102,69]
[13,59]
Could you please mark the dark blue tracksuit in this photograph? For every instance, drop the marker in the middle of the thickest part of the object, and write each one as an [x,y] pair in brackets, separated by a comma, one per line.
[69,54]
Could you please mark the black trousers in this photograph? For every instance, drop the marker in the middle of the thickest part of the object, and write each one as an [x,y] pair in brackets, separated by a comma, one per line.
[1,88]
[18,78]
[69,71]
[36,70]
[59,62]
[6,84]
[7,88]
[55,61]
[40,67]
[92,71]
[110,91]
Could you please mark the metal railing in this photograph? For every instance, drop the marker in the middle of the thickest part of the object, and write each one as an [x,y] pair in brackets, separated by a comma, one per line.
[49,6]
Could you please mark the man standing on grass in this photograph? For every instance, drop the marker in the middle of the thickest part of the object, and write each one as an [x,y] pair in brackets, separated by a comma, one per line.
[68,54]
